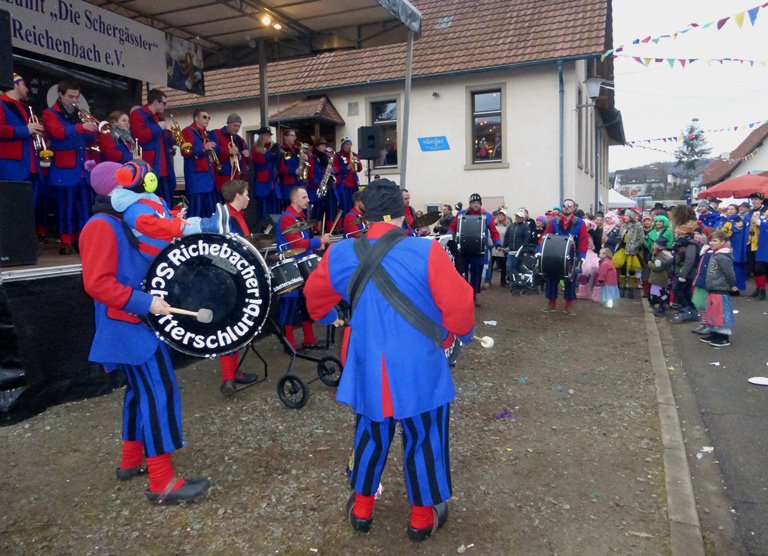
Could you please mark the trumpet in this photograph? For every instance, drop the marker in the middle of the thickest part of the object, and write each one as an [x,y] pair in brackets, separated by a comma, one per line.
[38,141]
[213,158]
[303,168]
[136,149]
[278,150]
[185,146]
[234,161]
[88,118]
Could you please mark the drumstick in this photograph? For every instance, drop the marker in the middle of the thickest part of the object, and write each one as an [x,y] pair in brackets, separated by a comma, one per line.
[203,315]
[485,341]
[322,227]
[338,216]
[268,229]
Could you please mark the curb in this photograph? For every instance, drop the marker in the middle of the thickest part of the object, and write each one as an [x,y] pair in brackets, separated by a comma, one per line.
[684,527]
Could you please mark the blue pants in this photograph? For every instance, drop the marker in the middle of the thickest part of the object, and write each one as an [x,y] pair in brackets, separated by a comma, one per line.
[202,204]
[425,454]
[344,197]
[741,275]
[73,207]
[552,285]
[166,187]
[292,308]
[152,408]
[473,270]
[266,201]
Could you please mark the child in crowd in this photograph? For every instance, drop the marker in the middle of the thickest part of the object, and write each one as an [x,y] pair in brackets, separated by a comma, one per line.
[720,279]
[699,296]
[660,267]
[686,252]
[607,278]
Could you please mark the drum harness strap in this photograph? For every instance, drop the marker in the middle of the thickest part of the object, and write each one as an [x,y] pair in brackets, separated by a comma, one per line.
[370,268]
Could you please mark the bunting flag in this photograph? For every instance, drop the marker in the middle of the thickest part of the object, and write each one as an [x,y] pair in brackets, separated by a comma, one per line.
[685,61]
[656,149]
[680,138]
[738,20]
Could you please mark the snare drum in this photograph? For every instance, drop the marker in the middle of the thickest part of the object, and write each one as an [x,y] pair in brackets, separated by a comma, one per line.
[470,235]
[307,264]
[558,257]
[286,277]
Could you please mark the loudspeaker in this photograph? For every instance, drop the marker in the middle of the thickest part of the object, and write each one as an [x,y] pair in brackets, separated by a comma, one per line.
[18,239]
[6,56]
[369,142]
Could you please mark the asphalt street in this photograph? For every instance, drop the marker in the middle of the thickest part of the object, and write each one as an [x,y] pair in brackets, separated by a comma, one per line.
[734,417]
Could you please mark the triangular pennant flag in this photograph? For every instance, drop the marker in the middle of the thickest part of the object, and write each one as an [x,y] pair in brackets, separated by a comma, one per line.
[636,41]
[693,25]
[620,49]
[658,60]
[656,40]
[637,59]
[751,126]
[722,22]
[682,62]
[605,55]
[752,63]
[753,14]
[706,25]
[692,60]
[684,31]
[739,19]
[647,61]
[646,39]
[671,62]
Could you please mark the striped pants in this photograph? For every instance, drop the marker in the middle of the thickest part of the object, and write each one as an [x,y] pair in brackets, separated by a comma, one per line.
[425,451]
[152,409]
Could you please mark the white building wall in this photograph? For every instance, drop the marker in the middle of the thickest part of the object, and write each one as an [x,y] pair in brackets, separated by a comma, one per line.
[755,165]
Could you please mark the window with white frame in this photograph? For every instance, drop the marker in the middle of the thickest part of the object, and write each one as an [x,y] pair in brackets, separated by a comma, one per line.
[486,106]
[384,118]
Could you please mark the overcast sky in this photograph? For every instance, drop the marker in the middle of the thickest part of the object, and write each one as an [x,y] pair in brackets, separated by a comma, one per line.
[659,101]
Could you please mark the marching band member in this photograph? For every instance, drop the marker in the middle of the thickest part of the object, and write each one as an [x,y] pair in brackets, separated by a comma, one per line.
[198,171]
[346,166]
[327,205]
[118,145]
[355,221]
[293,307]
[265,163]
[289,166]
[473,267]
[382,382]
[149,127]
[225,136]
[66,177]
[113,269]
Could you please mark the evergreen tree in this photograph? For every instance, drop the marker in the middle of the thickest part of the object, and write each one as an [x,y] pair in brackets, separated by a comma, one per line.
[693,149]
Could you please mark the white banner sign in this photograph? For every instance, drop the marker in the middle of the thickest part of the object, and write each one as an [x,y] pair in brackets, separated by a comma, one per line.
[82,33]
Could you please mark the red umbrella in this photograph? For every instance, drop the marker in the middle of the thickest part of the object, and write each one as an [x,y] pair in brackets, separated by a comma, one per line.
[742,186]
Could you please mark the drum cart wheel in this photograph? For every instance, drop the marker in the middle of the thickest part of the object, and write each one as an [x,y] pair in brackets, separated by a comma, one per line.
[292,391]
[329,370]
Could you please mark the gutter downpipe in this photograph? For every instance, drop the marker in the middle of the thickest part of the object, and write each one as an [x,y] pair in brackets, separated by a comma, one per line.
[406,109]
[263,95]
[562,131]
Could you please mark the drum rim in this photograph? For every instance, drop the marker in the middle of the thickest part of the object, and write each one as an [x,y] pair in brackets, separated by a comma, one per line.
[267,274]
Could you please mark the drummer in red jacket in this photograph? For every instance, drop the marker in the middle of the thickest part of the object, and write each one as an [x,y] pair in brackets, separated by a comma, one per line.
[355,222]
[566,224]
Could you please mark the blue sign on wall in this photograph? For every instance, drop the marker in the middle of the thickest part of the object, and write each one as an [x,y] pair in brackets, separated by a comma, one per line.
[439,143]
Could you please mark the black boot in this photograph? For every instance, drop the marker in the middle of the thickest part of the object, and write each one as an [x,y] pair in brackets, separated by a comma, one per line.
[755,294]
[623,292]
[631,293]
[761,294]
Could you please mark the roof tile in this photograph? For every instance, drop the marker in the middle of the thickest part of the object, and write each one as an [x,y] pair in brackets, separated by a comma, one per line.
[717,170]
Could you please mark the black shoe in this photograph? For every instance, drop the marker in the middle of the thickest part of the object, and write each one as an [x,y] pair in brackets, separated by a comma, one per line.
[623,292]
[189,491]
[246,378]
[702,329]
[722,340]
[708,338]
[358,524]
[227,388]
[761,294]
[440,512]
[130,473]
[755,293]
[66,250]
[631,293]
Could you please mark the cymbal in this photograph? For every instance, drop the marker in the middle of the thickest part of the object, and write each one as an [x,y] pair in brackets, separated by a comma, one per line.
[300,226]
[426,220]
[293,252]
[261,241]
[361,220]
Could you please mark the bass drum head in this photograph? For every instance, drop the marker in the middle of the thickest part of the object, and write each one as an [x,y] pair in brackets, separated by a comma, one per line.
[223,274]
[558,256]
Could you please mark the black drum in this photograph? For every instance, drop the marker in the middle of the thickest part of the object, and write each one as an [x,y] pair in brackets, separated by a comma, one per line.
[307,264]
[286,277]
[558,257]
[470,235]
[223,274]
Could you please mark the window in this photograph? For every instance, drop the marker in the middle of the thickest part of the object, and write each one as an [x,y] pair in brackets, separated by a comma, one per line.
[384,117]
[486,127]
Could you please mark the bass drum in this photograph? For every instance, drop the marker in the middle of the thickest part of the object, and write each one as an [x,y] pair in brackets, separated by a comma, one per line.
[470,235]
[224,274]
[558,257]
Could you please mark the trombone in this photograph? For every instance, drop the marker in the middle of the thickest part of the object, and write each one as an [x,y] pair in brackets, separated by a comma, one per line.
[185,146]
[234,160]
[38,142]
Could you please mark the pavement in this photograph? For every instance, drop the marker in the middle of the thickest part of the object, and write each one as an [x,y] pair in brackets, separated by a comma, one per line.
[724,425]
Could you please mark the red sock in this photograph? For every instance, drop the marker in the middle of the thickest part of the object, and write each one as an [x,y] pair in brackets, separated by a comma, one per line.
[760,281]
[40,230]
[309,332]
[228,366]
[363,508]
[66,239]
[161,473]
[568,304]
[133,454]
[289,335]
[552,303]
[422,517]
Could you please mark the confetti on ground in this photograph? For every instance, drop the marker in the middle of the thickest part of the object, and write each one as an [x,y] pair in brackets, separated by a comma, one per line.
[490,322]
[715,363]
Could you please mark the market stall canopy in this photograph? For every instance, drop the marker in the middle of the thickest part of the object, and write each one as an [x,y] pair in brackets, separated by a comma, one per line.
[229,30]
[617,200]
[739,187]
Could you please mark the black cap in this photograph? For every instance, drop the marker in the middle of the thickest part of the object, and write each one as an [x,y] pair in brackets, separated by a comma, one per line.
[383,200]
[263,130]
[459,206]
[716,200]
[475,197]
[658,206]
[757,196]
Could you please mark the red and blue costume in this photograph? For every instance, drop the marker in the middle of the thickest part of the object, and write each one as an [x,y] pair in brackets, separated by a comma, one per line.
[563,225]
[114,150]
[354,223]
[328,205]
[738,234]
[381,382]
[223,137]
[473,267]
[286,174]
[264,177]
[66,176]
[157,149]
[347,181]
[198,174]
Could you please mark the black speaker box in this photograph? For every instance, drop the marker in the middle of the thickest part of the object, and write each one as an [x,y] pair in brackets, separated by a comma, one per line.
[369,142]
[6,56]
[18,239]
